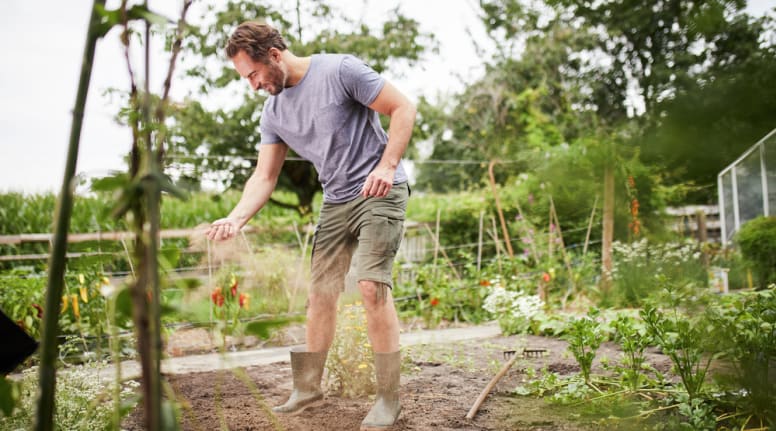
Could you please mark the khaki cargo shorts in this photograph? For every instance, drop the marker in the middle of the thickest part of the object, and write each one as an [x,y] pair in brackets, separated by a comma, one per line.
[367,229]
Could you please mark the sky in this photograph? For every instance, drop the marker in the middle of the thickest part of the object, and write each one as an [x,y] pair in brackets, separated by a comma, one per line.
[42,49]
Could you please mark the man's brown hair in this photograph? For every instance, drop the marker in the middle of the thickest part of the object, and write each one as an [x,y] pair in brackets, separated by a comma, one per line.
[255,39]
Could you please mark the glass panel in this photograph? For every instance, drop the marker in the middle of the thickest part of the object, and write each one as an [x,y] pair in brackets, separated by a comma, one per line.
[749,186]
[727,200]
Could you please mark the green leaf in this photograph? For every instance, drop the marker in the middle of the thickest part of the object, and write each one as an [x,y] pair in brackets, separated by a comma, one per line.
[141,12]
[108,19]
[124,304]
[169,416]
[262,328]
[9,395]
[116,180]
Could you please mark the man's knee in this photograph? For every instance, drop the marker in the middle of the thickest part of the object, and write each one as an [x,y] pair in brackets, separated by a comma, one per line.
[374,294]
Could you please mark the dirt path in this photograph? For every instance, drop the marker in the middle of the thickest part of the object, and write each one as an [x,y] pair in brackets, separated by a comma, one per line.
[441,383]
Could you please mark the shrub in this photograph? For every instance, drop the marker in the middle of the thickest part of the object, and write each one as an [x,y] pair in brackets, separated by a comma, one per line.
[757,241]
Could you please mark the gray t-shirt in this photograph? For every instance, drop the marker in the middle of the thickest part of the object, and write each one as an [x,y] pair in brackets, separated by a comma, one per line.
[325,118]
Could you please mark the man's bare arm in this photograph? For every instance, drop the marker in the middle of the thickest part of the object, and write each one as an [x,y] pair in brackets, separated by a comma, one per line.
[256,193]
[393,103]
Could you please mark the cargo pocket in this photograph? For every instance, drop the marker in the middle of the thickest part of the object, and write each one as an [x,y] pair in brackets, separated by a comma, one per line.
[388,229]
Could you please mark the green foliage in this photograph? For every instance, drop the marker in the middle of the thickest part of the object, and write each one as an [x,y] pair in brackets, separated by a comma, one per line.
[83,306]
[746,331]
[640,268]
[350,362]
[83,401]
[686,341]
[585,336]
[757,241]
[633,340]
[436,295]
[229,136]
[9,396]
[512,306]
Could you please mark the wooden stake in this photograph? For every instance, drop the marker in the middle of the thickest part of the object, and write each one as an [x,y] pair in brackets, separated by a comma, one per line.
[479,244]
[507,241]
[590,226]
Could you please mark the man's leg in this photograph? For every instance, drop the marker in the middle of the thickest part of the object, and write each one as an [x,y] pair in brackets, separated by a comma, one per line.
[382,322]
[321,320]
[332,249]
[378,242]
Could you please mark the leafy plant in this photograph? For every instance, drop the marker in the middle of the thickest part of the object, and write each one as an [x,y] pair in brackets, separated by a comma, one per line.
[746,325]
[83,401]
[686,341]
[757,241]
[633,340]
[585,336]
[514,310]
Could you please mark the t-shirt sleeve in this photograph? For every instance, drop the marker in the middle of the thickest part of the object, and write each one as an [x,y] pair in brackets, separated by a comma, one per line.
[360,81]
[268,134]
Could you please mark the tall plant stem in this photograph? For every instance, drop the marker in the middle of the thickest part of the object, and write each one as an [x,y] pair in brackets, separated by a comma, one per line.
[44,420]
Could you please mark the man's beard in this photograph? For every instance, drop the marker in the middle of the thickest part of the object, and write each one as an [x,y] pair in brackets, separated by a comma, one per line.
[276,80]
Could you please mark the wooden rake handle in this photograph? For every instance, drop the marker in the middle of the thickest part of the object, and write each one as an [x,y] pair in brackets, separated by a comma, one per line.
[486,391]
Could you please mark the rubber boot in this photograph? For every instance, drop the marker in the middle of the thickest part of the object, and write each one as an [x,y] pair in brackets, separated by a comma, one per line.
[387,407]
[307,369]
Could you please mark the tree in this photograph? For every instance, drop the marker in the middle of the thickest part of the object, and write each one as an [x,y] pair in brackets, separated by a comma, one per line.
[523,104]
[230,136]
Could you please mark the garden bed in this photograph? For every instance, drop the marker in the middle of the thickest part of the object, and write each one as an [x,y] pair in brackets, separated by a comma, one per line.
[439,385]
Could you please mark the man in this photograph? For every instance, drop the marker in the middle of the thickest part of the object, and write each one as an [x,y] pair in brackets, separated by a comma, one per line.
[325,107]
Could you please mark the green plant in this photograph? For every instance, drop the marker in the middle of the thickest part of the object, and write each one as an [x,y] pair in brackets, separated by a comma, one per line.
[633,340]
[686,341]
[746,328]
[585,336]
[350,363]
[757,241]
[227,304]
[83,401]
[513,309]
[435,294]
[639,266]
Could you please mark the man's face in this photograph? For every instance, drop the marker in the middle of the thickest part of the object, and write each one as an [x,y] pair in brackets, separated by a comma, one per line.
[269,77]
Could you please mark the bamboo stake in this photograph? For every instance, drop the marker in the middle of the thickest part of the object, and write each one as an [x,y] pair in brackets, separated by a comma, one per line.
[489,387]
[44,420]
[507,241]
[479,244]
[566,259]
[436,241]
[590,226]
[444,253]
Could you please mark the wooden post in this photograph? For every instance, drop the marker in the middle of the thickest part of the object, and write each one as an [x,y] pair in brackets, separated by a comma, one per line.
[507,241]
[479,244]
[608,231]
[700,217]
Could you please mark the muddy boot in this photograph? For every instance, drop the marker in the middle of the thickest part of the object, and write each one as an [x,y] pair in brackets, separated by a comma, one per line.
[387,408]
[307,369]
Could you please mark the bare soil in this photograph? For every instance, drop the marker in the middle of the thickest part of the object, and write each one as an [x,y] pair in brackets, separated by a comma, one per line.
[439,386]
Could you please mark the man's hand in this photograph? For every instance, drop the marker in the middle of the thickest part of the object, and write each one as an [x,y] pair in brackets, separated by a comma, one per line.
[379,182]
[223,229]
